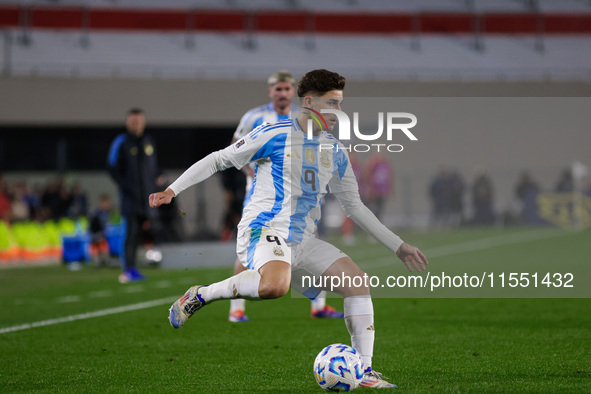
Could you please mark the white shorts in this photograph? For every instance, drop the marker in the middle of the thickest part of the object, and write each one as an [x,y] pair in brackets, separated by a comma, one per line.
[310,258]
[260,245]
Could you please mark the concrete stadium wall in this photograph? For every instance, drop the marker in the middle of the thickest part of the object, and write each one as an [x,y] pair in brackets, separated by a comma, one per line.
[63,101]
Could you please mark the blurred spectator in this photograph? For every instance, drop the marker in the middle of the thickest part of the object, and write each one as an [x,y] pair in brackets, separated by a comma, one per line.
[379,177]
[19,207]
[53,202]
[33,200]
[525,186]
[5,206]
[50,199]
[457,188]
[565,182]
[482,200]
[56,198]
[97,226]
[65,198]
[78,205]
[440,192]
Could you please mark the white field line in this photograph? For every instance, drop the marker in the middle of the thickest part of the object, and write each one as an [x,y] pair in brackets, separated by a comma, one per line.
[84,316]
[475,245]
[68,299]
[100,294]
[133,289]
[187,280]
[106,293]
[163,284]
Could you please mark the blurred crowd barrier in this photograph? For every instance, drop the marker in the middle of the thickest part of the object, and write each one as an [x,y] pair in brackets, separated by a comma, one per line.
[51,242]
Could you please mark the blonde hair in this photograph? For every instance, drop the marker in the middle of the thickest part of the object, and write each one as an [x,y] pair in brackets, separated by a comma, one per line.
[281,76]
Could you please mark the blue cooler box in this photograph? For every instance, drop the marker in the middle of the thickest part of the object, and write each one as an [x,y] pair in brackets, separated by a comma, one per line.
[115,234]
[76,248]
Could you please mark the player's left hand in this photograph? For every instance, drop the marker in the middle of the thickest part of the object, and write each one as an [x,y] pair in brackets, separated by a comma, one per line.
[412,255]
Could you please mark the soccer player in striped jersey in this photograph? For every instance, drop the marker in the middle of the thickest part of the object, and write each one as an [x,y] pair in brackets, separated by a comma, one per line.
[281,87]
[276,239]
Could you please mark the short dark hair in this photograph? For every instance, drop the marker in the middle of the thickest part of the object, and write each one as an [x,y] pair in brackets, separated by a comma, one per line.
[318,82]
[135,111]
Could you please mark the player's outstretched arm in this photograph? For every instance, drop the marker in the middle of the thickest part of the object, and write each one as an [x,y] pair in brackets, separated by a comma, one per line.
[161,198]
[411,256]
[204,168]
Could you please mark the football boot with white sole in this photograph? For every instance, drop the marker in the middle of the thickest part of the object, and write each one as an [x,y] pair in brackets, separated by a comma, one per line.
[375,380]
[185,307]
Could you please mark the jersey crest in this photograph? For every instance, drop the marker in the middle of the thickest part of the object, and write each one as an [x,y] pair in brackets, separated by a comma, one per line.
[325,159]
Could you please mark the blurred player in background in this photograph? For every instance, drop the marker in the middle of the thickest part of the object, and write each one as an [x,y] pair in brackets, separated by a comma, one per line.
[276,236]
[281,88]
[379,176]
[133,166]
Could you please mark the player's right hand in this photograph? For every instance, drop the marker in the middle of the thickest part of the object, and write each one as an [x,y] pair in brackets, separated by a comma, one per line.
[411,256]
[160,198]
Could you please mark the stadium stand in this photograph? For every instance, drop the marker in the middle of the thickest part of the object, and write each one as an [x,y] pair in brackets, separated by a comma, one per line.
[464,39]
[164,55]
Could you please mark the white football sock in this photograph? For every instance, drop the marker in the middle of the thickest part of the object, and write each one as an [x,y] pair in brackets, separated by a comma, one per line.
[237,305]
[319,302]
[359,321]
[244,285]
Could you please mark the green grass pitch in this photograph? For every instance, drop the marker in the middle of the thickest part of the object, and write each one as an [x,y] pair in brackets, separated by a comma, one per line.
[448,342]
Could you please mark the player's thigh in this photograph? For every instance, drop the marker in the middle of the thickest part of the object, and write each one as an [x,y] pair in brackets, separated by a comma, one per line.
[316,265]
[238,267]
[275,279]
[346,278]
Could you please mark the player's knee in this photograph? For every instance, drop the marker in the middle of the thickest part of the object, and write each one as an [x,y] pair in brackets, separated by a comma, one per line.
[350,291]
[275,280]
[273,289]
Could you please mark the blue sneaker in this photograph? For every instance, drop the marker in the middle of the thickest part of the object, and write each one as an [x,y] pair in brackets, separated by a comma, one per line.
[328,312]
[136,275]
[184,307]
[131,275]
[238,316]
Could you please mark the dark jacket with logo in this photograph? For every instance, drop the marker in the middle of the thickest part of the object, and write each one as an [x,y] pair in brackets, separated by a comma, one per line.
[133,165]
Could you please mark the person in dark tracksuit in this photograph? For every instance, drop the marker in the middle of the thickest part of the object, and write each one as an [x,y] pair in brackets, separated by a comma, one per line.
[133,165]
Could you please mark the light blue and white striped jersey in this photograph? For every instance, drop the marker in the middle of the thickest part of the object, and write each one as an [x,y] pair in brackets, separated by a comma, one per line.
[250,121]
[257,116]
[292,173]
